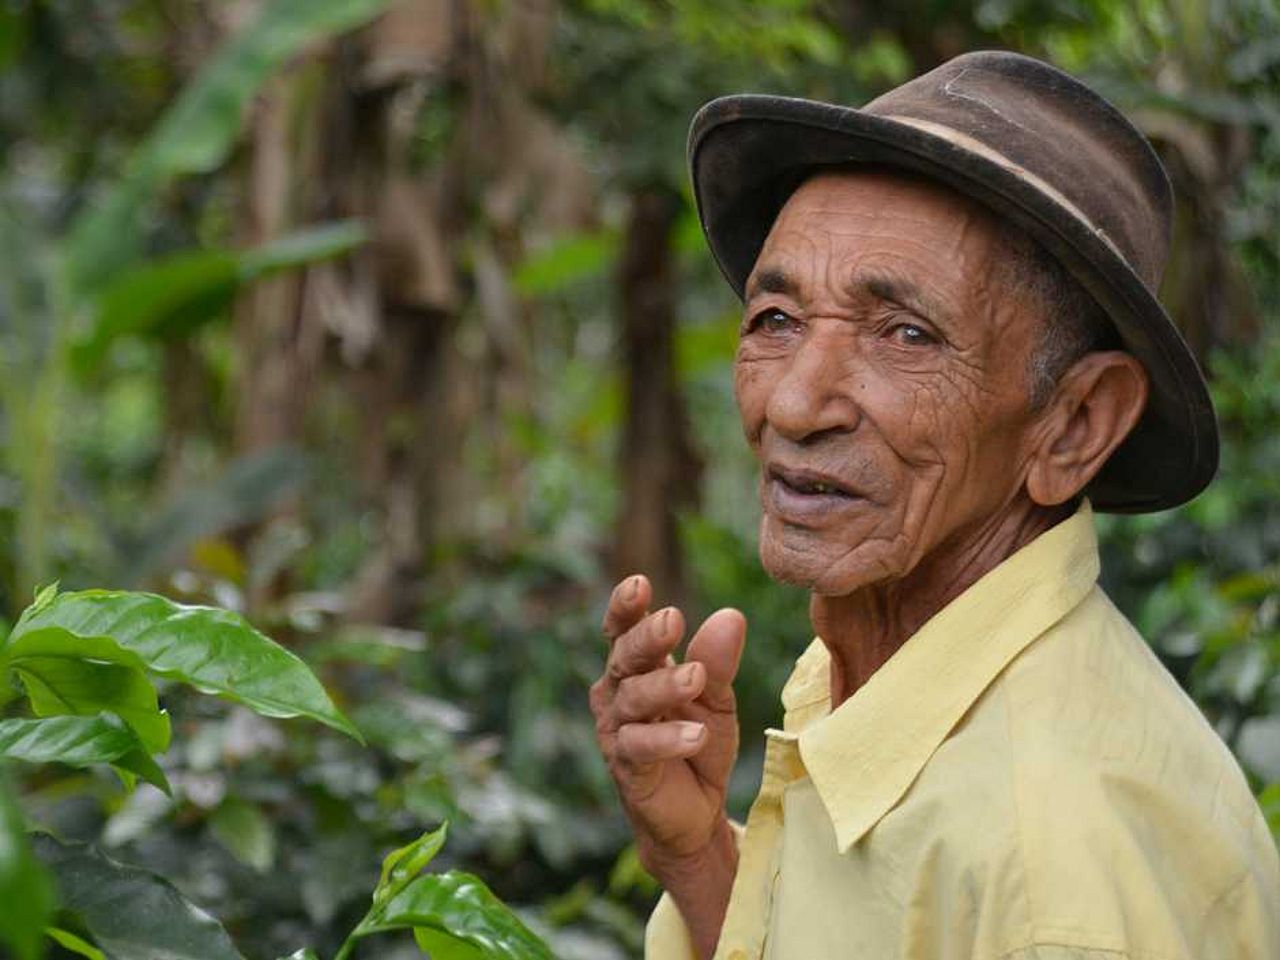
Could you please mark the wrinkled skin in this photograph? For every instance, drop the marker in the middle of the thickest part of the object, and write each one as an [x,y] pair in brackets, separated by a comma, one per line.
[886,360]
[884,385]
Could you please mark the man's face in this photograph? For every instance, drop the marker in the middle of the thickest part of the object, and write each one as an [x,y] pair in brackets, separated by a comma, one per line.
[882,381]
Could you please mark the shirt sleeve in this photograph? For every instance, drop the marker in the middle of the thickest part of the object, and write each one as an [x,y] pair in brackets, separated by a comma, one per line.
[666,937]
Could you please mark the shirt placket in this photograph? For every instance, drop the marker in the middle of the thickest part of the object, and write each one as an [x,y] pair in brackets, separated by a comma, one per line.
[746,926]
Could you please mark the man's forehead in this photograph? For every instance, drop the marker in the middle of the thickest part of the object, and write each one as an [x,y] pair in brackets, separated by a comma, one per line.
[876,192]
[884,221]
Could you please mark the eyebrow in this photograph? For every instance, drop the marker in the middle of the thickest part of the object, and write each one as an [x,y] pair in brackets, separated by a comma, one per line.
[902,292]
[881,285]
[772,280]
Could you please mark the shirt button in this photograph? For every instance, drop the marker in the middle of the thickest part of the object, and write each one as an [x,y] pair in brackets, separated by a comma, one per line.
[738,954]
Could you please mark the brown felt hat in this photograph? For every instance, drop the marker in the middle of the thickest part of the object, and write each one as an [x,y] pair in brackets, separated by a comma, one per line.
[1040,149]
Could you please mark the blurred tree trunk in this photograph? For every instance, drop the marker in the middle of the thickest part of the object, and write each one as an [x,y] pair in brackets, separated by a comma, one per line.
[276,339]
[275,375]
[403,370]
[423,127]
[660,469]
[451,208]
[331,140]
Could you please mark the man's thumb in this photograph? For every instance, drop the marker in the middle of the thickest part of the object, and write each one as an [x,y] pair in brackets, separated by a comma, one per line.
[718,646]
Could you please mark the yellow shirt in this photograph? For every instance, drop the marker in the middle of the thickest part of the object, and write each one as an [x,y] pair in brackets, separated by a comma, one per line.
[1023,779]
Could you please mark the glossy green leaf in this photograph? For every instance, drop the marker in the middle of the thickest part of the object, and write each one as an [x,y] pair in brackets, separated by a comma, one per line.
[197,132]
[26,895]
[442,946]
[79,742]
[44,595]
[172,296]
[402,865]
[83,676]
[130,913]
[216,651]
[70,941]
[246,832]
[458,906]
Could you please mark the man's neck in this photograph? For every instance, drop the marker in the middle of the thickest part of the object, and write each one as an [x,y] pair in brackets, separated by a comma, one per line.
[862,630]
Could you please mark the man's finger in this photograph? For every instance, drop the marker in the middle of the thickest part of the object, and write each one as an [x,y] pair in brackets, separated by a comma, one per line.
[627,604]
[643,744]
[646,646]
[647,696]
[718,647]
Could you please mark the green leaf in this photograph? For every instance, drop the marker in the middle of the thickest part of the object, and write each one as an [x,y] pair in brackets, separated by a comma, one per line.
[402,865]
[300,248]
[216,651]
[25,890]
[197,132]
[79,742]
[457,906]
[244,830]
[83,676]
[442,946]
[45,595]
[165,296]
[302,953]
[130,913]
[69,941]
[62,686]
[172,296]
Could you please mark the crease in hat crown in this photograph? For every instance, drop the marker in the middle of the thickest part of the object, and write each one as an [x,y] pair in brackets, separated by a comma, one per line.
[1039,148]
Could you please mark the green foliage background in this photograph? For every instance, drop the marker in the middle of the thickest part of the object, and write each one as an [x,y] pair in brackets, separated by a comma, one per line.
[118,201]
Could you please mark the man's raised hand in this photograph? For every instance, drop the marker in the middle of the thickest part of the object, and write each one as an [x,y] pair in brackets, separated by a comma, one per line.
[669,733]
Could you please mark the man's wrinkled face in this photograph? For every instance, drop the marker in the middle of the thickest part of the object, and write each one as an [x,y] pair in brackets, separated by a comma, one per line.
[882,380]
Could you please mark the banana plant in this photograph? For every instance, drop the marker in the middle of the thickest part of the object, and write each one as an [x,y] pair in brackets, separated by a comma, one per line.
[85,662]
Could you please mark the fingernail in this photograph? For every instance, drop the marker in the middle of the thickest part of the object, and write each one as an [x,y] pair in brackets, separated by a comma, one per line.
[665,623]
[687,674]
[633,587]
[690,732]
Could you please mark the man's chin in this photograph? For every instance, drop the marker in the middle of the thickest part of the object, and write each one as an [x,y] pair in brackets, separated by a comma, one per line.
[819,567]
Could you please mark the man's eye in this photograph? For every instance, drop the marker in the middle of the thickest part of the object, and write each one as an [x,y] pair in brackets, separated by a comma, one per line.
[772,321]
[912,335]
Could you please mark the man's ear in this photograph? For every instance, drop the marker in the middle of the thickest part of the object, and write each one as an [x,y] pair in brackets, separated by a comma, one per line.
[1095,406]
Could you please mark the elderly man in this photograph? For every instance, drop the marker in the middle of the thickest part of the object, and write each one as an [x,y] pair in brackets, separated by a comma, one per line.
[950,349]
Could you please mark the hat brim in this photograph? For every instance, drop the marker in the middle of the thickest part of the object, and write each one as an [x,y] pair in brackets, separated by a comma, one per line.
[748,153]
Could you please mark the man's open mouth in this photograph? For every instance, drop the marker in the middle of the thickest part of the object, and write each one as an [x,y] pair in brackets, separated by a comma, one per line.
[809,483]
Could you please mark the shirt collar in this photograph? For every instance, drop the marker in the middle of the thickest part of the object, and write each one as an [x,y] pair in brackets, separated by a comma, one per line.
[864,756]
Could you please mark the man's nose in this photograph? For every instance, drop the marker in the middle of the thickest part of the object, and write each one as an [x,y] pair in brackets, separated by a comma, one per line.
[815,395]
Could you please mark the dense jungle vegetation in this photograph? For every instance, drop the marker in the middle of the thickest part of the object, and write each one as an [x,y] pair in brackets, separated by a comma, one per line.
[389,326]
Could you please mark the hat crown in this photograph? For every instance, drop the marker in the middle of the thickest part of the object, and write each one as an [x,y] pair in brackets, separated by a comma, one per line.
[1053,129]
